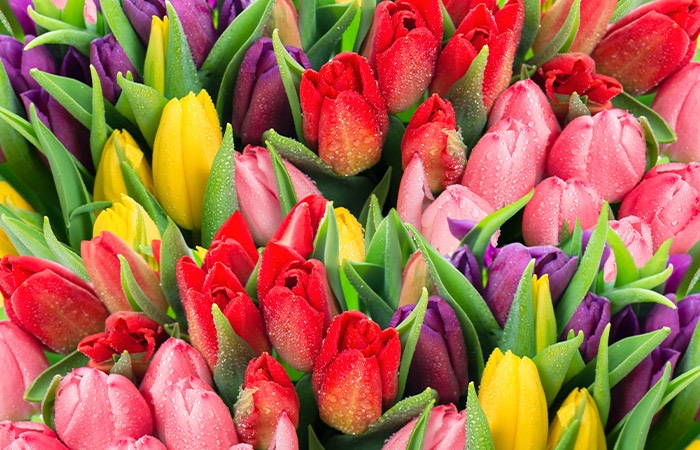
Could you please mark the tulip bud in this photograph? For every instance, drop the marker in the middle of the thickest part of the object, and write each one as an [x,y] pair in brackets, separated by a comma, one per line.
[623,324]
[50,302]
[590,432]
[591,317]
[682,321]
[666,199]
[593,20]
[233,247]
[446,429]
[285,437]
[465,261]
[345,116]
[432,134]
[180,174]
[636,235]
[266,395]
[140,14]
[414,192]
[18,62]
[259,97]
[350,236]
[440,358]
[285,19]
[109,58]
[230,10]
[154,62]
[93,408]
[28,436]
[19,10]
[143,443]
[355,377]
[513,401]
[11,198]
[109,180]
[196,19]
[22,360]
[676,101]
[555,203]
[402,47]
[681,263]
[76,65]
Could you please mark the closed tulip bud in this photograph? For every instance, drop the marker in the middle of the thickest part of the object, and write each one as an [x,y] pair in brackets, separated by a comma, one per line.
[109,180]
[93,409]
[415,277]
[591,317]
[662,27]
[28,436]
[402,47]
[502,166]
[636,235]
[681,263]
[101,257]
[19,9]
[258,197]
[465,261]
[285,19]
[259,97]
[143,443]
[76,65]
[109,58]
[355,377]
[230,10]
[513,401]
[196,19]
[285,437]
[590,432]
[432,134]
[594,18]
[140,14]
[233,247]
[682,321]
[154,62]
[666,199]
[440,358]
[179,173]
[526,102]
[267,393]
[11,198]
[50,302]
[414,192]
[446,429]
[555,203]
[676,102]
[345,115]
[22,360]
[350,235]
[624,324]
[18,62]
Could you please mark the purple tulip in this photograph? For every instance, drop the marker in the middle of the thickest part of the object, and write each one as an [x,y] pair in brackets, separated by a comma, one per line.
[230,10]
[680,262]
[682,321]
[196,19]
[109,59]
[77,66]
[623,324]
[18,62]
[440,360]
[19,9]
[591,317]
[463,259]
[140,14]
[260,101]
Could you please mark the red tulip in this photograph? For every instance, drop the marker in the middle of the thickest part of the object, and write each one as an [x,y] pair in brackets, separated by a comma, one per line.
[233,247]
[296,300]
[345,115]
[50,302]
[28,436]
[267,394]
[298,229]
[432,134]
[355,377]
[402,47]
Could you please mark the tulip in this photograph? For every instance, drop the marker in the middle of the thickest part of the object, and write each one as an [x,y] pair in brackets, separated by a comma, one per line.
[259,96]
[140,14]
[22,360]
[109,58]
[143,443]
[526,102]
[93,408]
[695,445]
[502,166]
[154,65]
[675,101]
[12,199]
[414,278]
[440,358]
[555,203]
[590,432]
[458,9]
[455,202]
[295,297]
[432,134]
[624,324]
[355,376]
[233,247]
[19,10]
[414,192]
[500,31]
[207,423]
[351,245]
[666,199]
[180,174]
[345,116]
[200,290]
[461,227]
[591,317]
[196,19]
[285,19]
[513,401]
[76,65]
[28,436]
[230,10]
[446,429]
[681,263]
[630,46]
[18,62]
[50,302]
[109,180]
[266,395]
[682,321]
[567,73]
[636,235]
[298,228]
[258,198]
[465,261]
[402,47]
[285,437]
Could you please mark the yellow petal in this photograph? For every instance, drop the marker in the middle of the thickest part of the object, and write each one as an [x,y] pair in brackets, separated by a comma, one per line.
[351,236]
[499,396]
[532,409]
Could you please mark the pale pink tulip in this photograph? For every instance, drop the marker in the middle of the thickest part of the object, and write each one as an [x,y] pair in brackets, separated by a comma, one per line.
[636,235]
[446,430]
[285,437]
[414,192]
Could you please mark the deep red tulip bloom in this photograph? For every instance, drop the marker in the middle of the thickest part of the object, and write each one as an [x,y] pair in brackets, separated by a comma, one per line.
[593,20]
[298,229]
[233,246]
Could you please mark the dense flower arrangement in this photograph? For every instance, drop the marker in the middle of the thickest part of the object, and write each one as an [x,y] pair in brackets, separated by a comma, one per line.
[280,224]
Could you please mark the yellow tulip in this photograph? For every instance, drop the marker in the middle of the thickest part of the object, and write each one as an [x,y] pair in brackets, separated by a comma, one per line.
[579,403]
[695,445]
[545,321]
[188,137]
[351,236]
[513,401]
[154,64]
[109,181]
[10,197]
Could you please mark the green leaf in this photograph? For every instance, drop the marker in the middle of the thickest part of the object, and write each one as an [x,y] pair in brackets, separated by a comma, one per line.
[327,249]
[625,6]
[619,298]
[285,189]
[627,271]
[27,239]
[298,154]
[136,297]
[307,23]
[180,71]
[415,441]
[322,49]
[314,442]
[658,262]
[531,25]
[367,8]
[519,330]
[478,432]
[78,39]
[662,131]
[378,195]
[601,386]
[562,40]
[126,36]
[692,275]
[290,71]
[385,250]
[49,400]
[357,273]
[72,12]
[467,99]
[9,21]
[63,254]
[136,190]
[99,130]
[49,23]
[124,366]
[37,390]
[409,331]
[21,125]
[220,200]
[172,248]
[308,410]
[577,108]
[374,219]
[148,102]
[553,365]
[652,154]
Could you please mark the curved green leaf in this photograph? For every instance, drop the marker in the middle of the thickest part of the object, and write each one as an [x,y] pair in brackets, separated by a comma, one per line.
[553,365]
[519,330]
[619,298]
[180,71]
[467,99]
[415,441]
[173,247]
[662,131]
[478,431]
[148,102]
[327,249]
[290,71]
[63,254]
[99,130]
[285,189]
[357,274]
[297,153]
[220,200]
[322,49]
[37,390]
[136,297]
[562,40]
[50,23]
[78,39]
[531,25]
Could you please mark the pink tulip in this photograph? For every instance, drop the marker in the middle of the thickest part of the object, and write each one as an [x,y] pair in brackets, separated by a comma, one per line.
[526,102]
[607,150]
[455,202]
[93,409]
[414,192]
[22,361]
[677,101]
[557,202]
[143,443]
[636,235]
[196,417]
[258,198]
[667,199]
[446,430]
[28,436]
[503,165]
[285,437]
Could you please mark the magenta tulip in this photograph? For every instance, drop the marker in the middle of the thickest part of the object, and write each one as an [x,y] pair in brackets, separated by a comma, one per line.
[446,429]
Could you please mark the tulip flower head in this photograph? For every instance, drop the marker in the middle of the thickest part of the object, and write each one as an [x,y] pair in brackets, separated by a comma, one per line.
[591,317]
[446,430]
[590,432]
[109,180]
[109,58]
[233,246]
[350,235]
[140,14]
[10,198]
[594,18]
[28,435]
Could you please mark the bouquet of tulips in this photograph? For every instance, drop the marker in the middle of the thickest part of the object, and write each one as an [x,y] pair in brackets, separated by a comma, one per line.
[309,224]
